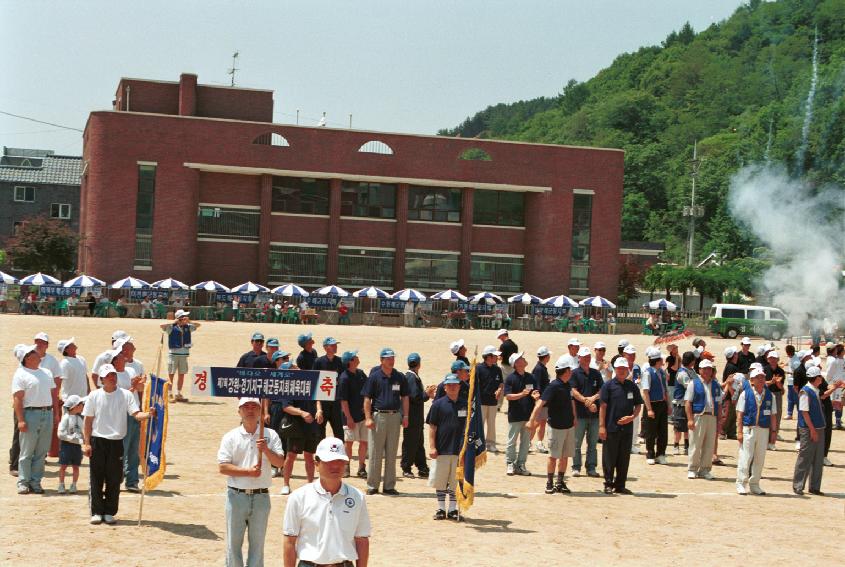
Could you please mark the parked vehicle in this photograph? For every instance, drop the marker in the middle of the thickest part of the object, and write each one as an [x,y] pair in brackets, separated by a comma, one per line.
[730,320]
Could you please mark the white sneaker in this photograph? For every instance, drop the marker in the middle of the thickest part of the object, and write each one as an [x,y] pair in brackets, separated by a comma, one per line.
[661,460]
[576,473]
[541,448]
[522,471]
[285,490]
[72,489]
[61,489]
[635,450]
[707,476]
[827,462]
[649,461]
[676,450]
[510,469]
[109,519]
[740,489]
[691,474]
[96,519]
[772,447]
[798,445]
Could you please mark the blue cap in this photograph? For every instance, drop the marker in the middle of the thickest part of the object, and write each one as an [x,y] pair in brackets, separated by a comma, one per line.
[386,352]
[302,339]
[451,379]
[286,365]
[279,354]
[347,356]
[273,342]
[414,357]
[459,365]
[256,336]
[330,341]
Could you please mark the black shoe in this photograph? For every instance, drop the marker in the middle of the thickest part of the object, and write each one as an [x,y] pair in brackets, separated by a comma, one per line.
[608,490]
[133,489]
[422,474]
[440,515]
[408,474]
[562,488]
[550,488]
[13,472]
[816,492]
[453,515]
[39,490]
[362,473]
[390,491]
[371,491]
[593,474]
[623,491]
[798,492]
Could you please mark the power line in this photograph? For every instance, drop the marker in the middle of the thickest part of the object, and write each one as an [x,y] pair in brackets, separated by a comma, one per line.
[39,121]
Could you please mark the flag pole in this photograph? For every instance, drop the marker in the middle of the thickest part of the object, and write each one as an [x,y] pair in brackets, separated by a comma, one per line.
[148,395]
[462,455]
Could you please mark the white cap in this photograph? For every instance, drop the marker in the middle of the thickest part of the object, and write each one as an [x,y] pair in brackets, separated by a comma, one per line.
[773,354]
[745,341]
[756,372]
[244,401]
[543,351]
[705,364]
[629,349]
[22,350]
[73,400]
[117,335]
[621,362]
[181,313]
[331,449]
[653,353]
[501,333]
[813,372]
[564,361]
[488,350]
[699,349]
[455,346]
[64,343]
[573,342]
[761,349]
[805,353]
[584,351]
[756,365]
[42,336]
[599,345]
[515,356]
[623,343]
[105,370]
[730,352]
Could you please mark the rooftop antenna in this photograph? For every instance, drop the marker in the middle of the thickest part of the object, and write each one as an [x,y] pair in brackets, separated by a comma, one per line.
[234,69]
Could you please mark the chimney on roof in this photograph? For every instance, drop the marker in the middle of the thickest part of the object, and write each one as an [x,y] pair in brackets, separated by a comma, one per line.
[187,94]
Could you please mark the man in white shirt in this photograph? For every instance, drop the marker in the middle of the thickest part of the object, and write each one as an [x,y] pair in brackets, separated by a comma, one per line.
[240,458]
[74,372]
[32,399]
[326,521]
[105,427]
[702,400]
[51,365]
[105,358]
[600,363]
[755,418]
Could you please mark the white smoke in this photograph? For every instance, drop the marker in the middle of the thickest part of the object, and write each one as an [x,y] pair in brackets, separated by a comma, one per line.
[804,227]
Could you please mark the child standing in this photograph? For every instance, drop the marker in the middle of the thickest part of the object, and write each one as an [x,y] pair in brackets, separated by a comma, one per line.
[70,437]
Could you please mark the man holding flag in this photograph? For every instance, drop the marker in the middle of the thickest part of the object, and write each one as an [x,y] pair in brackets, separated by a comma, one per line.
[473,451]
[446,424]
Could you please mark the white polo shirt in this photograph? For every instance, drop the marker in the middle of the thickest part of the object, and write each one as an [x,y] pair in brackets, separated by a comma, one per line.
[238,448]
[326,525]
[51,365]
[35,385]
[758,399]
[109,410]
[74,377]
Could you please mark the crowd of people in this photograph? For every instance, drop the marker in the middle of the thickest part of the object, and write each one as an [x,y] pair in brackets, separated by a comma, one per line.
[564,409]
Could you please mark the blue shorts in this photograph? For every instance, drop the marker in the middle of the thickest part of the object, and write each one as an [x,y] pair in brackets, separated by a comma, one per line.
[70,454]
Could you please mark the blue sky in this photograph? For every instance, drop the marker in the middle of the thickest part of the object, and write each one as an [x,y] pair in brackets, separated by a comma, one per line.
[396,66]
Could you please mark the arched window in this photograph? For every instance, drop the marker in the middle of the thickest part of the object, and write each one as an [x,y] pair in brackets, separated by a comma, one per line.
[26,163]
[272,139]
[475,154]
[376,147]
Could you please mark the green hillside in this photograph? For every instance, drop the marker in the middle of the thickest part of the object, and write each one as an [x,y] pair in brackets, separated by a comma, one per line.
[739,88]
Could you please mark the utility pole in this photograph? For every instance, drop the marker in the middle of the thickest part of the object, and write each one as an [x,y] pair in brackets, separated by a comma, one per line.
[693,211]
[234,68]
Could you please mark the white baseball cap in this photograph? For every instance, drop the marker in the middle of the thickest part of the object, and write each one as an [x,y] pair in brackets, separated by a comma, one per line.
[705,364]
[756,372]
[244,401]
[181,313]
[730,352]
[501,333]
[599,345]
[64,343]
[813,372]
[22,350]
[105,370]
[117,335]
[629,349]
[331,449]
[564,361]
[756,365]
[621,362]
[490,349]
[455,346]
[42,336]
[653,353]
[543,351]
[805,353]
[573,342]
[623,343]
[515,356]
[73,400]
[745,341]
[773,354]
[584,351]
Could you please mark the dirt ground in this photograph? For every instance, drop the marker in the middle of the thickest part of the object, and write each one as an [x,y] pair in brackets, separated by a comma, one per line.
[669,520]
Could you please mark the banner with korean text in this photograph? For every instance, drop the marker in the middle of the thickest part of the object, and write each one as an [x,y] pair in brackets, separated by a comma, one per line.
[266,383]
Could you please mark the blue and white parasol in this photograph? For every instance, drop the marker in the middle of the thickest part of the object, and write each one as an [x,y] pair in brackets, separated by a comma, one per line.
[40,279]
[84,281]
[486,298]
[210,285]
[662,304]
[597,301]
[130,283]
[169,283]
[560,301]
[371,293]
[409,294]
[7,279]
[250,287]
[332,290]
[290,290]
[525,299]
[449,295]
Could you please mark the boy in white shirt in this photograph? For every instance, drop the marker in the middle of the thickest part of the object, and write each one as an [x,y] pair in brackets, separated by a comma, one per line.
[105,427]
[70,441]
[74,370]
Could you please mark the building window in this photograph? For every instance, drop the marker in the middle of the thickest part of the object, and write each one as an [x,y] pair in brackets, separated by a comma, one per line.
[434,204]
[431,270]
[59,211]
[300,195]
[499,208]
[376,200]
[501,274]
[144,215]
[582,212]
[229,223]
[25,194]
[362,267]
[290,263]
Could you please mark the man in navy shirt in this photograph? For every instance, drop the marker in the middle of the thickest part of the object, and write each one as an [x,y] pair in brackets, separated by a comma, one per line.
[541,378]
[446,423]
[329,412]
[257,351]
[413,438]
[586,383]
[521,392]
[265,360]
[557,400]
[460,369]
[349,387]
[620,405]
[302,435]
[305,359]
[386,409]
[491,386]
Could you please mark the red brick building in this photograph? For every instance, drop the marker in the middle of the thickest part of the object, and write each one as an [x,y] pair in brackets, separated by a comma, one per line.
[196,182]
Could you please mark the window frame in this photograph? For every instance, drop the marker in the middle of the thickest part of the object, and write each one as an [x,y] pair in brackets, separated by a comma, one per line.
[506,283]
[383,279]
[279,184]
[219,212]
[438,214]
[60,215]
[354,208]
[434,258]
[282,277]
[501,215]
[25,188]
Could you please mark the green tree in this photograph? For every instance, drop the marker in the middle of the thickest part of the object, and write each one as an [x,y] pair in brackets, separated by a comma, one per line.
[44,245]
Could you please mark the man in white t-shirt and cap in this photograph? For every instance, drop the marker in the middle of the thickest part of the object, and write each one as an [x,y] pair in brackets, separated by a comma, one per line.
[326,521]
[572,347]
[105,358]
[179,347]
[74,370]
[600,363]
[246,457]
[755,412]
[51,365]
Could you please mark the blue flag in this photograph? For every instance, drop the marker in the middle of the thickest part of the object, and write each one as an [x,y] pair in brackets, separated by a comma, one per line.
[155,430]
[474,451]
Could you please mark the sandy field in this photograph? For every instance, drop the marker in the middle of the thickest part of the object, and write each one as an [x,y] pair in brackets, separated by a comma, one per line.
[669,520]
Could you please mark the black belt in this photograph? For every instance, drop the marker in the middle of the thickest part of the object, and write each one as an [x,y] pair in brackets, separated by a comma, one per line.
[39,408]
[250,490]
[303,563]
[387,411]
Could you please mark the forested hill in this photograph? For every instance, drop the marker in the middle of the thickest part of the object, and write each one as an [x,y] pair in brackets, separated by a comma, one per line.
[739,87]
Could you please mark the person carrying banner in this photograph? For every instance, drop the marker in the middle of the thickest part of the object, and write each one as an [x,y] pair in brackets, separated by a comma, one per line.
[326,522]
[247,358]
[103,433]
[329,412]
[621,403]
[179,347]
[350,383]
[248,486]
[386,409]
[131,382]
[33,407]
[446,423]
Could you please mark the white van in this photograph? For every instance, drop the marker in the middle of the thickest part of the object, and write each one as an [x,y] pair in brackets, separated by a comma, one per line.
[730,320]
